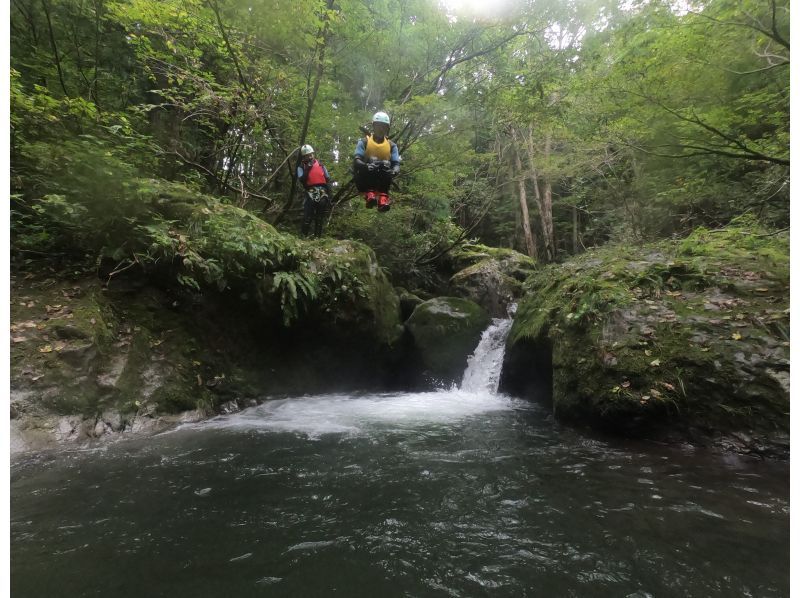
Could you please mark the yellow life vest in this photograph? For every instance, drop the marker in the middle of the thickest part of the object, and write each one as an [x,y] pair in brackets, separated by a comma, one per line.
[381,151]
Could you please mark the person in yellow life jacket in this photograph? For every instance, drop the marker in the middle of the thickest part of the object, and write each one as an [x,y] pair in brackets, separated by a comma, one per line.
[376,163]
[316,181]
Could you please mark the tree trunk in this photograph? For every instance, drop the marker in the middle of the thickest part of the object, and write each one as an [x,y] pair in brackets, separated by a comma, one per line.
[98,7]
[574,230]
[546,212]
[312,97]
[46,8]
[530,245]
[544,199]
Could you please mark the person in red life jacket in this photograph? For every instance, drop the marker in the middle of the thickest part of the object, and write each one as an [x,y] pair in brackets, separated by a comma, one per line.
[317,184]
[376,163]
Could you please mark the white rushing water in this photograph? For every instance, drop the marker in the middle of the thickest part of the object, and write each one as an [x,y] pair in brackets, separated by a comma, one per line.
[359,414]
[486,363]
[355,414]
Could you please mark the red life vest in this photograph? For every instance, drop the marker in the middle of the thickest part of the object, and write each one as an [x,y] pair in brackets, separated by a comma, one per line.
[316,175]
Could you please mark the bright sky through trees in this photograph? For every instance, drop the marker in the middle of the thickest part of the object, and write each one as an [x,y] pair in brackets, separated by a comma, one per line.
[476,8]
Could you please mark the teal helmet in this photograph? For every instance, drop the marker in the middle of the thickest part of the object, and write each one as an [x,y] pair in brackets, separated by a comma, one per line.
[381,117]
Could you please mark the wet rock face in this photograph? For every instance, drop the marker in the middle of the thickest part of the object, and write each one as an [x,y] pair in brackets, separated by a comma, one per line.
[485,284]
[445,331]
[83,355]
[491,277]
[682,339]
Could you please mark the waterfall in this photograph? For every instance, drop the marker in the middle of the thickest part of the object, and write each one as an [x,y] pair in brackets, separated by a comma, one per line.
[486,363]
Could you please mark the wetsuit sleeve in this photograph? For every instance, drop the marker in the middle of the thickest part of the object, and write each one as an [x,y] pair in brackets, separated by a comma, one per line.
[395,158]
[360,148]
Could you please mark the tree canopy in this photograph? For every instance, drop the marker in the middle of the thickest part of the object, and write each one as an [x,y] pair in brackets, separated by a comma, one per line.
[544,126]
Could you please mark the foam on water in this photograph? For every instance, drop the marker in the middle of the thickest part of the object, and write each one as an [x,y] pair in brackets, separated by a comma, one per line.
[355,414]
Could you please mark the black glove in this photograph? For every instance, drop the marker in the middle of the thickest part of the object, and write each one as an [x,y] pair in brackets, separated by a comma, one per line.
[372,167]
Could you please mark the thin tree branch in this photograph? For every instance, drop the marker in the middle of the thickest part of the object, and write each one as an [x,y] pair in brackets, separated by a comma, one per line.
[46,8]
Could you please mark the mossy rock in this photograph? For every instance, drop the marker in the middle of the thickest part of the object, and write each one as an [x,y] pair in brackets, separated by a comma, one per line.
[513,263]
[488,285]
[492,277]
[408,302]
[218,247]
[688,338]
[360,300]
[58,334]
[79,349]
[446,331]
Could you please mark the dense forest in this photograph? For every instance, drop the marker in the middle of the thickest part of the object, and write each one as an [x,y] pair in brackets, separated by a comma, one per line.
[548,127]
[517,380]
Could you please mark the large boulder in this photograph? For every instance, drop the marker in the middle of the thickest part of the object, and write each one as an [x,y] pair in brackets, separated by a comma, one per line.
[446,331]
[491,277]
[332,285]
[679,339]
[357,298]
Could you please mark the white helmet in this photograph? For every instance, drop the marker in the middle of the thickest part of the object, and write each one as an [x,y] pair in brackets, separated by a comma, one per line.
[380,117]
[306,149]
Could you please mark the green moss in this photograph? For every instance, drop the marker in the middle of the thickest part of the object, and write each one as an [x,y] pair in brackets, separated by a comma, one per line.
[354,292]
[446,330]
[685,330]
[513,263]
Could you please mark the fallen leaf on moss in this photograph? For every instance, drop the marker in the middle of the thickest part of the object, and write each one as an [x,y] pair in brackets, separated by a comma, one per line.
[736,336]
[626,384]
[46,349]
[667,385]
[18,339]
[655,363]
